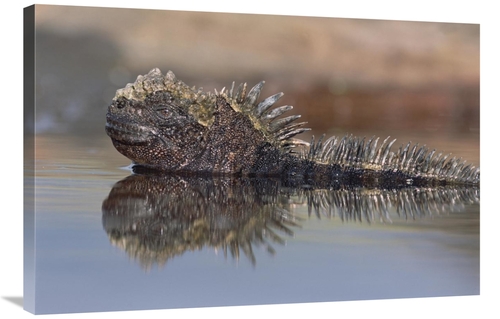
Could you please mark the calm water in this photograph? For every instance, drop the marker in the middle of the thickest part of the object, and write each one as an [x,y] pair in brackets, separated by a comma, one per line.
[101,245]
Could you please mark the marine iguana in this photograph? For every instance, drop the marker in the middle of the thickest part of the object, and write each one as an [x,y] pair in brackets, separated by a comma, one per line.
[161,123]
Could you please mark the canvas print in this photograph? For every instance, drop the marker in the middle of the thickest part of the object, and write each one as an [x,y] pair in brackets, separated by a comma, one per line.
[180,159]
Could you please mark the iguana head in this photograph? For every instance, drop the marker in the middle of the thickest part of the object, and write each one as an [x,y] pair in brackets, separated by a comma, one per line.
[159,121]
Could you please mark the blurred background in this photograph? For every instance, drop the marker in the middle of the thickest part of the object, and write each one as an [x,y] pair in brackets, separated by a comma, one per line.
[370,77]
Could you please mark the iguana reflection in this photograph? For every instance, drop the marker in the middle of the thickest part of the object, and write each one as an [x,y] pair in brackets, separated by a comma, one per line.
[154,218]
[157,217]
[370,204]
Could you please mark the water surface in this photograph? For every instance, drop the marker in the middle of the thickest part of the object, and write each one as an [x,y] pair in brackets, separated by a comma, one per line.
[86,259]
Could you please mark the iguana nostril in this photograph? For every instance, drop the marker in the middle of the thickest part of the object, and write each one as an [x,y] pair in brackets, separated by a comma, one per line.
[120,105]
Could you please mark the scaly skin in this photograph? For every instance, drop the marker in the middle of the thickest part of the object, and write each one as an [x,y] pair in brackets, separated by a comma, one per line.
[162,124]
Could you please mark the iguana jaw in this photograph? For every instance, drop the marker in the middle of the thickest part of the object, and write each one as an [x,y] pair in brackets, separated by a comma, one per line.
[127,133]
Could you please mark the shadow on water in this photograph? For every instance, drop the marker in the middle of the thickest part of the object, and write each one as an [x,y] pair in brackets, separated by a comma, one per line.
[156,218]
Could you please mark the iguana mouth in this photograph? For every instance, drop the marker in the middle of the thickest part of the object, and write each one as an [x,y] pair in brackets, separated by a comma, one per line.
[128,133]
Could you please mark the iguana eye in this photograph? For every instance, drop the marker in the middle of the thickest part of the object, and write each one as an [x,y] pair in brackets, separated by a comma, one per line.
[160,108]
[163,111]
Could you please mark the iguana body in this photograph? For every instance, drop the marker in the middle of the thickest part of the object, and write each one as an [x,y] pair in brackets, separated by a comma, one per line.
[160,123]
